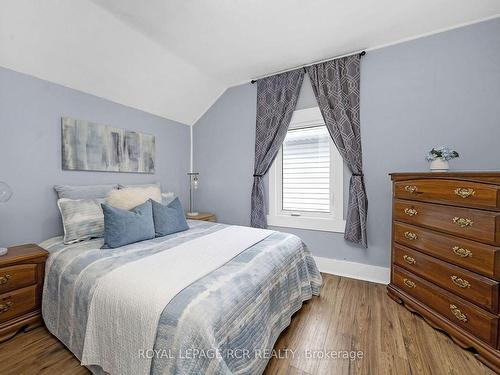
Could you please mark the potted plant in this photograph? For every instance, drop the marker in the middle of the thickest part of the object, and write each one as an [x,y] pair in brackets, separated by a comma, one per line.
[439,158]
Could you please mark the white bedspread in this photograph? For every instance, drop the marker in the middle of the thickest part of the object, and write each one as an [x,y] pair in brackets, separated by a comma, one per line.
[128,302]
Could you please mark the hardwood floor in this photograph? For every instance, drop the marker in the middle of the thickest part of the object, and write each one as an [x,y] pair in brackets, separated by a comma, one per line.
[350,316]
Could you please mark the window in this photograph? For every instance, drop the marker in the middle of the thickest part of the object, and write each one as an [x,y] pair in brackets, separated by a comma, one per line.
[306,178]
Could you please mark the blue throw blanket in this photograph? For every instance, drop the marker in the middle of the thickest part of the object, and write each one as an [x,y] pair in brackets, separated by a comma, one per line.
[224,323]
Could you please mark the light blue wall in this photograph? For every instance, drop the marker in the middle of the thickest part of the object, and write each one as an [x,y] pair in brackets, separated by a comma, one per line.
[442,89]
[30,151]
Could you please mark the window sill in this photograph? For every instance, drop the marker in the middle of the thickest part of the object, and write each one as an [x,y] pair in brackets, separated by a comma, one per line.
[304,222]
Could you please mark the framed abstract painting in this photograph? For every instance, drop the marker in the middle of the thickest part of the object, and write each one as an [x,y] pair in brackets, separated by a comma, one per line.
[88,146]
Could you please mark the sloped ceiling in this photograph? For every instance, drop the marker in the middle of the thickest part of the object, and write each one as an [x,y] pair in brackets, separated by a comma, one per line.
[174,58]
[78,44]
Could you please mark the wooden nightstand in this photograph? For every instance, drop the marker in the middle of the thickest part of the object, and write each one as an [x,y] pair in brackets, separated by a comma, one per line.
[21,284]
[204,216]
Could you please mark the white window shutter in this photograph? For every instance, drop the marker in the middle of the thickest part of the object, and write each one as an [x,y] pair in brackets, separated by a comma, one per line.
[306,170]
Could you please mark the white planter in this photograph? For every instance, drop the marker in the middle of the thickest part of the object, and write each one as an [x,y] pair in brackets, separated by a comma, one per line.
[439,165]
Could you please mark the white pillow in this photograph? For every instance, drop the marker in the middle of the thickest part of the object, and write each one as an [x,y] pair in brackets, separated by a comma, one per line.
[121,186]
[130,197]
[167,197]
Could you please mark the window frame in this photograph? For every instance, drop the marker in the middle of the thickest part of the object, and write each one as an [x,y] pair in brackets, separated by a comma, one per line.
[332,221]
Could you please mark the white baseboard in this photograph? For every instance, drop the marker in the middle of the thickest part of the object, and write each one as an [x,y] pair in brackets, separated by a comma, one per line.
[360,271]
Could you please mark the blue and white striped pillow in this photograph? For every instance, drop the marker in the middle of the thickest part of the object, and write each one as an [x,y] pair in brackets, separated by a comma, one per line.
[82,219]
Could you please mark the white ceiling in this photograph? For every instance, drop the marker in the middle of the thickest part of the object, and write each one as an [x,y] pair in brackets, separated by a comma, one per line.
[175,57]
[235,40]
[78,44]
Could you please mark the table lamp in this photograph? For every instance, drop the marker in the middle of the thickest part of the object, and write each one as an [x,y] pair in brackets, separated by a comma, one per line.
[193,185]
[5,194]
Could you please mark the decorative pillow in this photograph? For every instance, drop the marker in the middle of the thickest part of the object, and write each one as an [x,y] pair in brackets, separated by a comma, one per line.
[130,197]
[120,186]
[84,191]
[167,197]
[122,227]
[169,218]
[82,219]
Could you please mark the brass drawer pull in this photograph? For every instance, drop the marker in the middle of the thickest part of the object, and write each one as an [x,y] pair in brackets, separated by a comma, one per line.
[408,259]
[409,283]
[4,307]
[465,192]
[460,282]
[411,189]
[411,211]
[410,236]
[462,252]
[458,314]
[463,222]
[4,279]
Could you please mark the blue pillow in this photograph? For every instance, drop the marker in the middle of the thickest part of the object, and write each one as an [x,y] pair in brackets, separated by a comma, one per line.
[122,227]
[169,218]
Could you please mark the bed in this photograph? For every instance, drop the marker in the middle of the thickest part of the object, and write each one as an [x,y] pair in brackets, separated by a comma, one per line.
[224,322]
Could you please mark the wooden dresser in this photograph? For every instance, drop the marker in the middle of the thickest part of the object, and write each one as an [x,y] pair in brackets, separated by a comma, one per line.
[21,282]
[446,255]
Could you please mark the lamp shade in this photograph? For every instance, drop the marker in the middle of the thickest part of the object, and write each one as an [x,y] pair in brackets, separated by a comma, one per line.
[5,192]
[196,182]
[193,185]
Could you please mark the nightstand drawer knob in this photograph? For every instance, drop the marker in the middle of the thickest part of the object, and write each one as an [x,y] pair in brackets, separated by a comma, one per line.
[4,279]
[4,307]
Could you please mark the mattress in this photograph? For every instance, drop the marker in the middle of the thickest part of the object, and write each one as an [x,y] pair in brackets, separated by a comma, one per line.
[226,322]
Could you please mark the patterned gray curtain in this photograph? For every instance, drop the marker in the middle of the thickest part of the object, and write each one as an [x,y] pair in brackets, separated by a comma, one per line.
[336,86]
[276,100]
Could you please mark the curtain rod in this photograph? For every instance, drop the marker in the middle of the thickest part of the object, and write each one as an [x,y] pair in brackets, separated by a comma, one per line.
[361,53]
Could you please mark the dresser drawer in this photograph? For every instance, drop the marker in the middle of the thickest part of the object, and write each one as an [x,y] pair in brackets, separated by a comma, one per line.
[472,255]
[465,222]
[448,191]
[479,322]
[15,277]
[473,287]
[17,302]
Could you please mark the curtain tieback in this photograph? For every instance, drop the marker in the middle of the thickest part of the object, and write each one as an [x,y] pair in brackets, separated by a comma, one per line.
[358,174]
[257,175]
